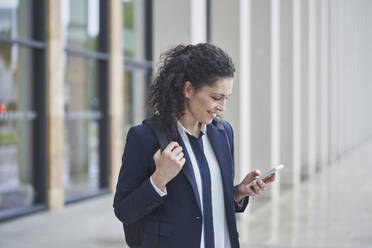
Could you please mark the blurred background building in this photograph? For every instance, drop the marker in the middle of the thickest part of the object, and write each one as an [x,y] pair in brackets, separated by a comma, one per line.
[74,77]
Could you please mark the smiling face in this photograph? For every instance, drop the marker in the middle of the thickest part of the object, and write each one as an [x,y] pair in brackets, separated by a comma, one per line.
[202,105]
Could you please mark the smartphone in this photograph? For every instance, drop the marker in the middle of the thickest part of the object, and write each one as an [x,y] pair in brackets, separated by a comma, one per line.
[268,173]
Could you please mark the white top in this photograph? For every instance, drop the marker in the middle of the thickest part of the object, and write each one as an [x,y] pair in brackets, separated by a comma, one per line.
[221,232]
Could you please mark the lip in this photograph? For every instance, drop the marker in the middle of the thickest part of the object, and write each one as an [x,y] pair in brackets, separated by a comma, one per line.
[212,114]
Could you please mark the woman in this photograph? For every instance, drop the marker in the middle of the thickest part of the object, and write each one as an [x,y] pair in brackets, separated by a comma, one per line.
[185,195]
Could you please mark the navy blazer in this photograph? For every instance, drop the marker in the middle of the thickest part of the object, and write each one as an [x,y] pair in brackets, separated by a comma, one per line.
[180,216]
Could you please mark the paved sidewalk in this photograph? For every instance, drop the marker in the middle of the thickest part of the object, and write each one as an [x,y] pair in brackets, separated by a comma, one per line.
[331,210]
[87,224]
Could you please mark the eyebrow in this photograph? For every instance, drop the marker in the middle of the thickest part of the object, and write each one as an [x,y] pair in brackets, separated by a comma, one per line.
[220,94]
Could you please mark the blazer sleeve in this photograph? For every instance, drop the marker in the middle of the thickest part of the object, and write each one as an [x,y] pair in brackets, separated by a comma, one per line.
[135,197]
[241,206]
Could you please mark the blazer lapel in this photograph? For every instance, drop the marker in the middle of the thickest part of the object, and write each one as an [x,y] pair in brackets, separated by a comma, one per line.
[188,171]
[218,140]
[220,146]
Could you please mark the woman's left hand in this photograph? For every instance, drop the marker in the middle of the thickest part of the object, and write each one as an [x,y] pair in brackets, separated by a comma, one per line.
[256,188]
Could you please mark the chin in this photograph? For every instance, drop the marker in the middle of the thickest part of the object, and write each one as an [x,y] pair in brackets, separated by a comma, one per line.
[208,121]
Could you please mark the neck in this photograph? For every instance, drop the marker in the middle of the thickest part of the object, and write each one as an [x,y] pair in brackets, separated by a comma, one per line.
[190,124]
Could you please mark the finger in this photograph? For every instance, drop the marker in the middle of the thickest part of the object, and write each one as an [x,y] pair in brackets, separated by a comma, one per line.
[261,184]
[182,161]
[270,179]
[250,177]
[254,174]
[171,146]
[256,188]
[156,155]
[179,156]
[177,150]
[250,191]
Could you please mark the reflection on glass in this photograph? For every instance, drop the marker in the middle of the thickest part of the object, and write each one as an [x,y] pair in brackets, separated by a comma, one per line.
[82,115]
[128,100]
[81,27]
[134,24]
[16,19]
[135,96]
[16,124]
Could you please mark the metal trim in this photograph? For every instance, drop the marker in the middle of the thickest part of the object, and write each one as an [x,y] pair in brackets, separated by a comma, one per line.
[24,43]
[87,54]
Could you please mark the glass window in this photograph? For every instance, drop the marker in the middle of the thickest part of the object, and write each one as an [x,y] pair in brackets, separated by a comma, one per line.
[135,96]
[137,66]
[128,100]
[16,19]
[134,33]
[81,24]
[85,172]
[17,119]
[83,114]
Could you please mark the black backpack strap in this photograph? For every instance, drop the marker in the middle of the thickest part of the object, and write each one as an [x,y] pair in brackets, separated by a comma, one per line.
[164,137]
[162,134]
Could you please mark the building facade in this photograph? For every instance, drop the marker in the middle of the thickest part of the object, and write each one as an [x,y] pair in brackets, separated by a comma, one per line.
[74,77]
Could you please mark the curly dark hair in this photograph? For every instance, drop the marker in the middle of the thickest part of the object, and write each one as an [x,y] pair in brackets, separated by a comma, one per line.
[201,64]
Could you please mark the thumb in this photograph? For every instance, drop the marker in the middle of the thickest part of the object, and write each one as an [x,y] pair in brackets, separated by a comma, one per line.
[252,176]
[157,154]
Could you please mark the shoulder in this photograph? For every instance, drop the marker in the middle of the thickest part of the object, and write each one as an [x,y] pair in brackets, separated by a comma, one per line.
[141,135]
[222,124]
[227,126]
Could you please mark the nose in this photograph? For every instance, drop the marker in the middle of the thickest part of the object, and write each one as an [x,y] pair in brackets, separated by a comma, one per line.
[221,106]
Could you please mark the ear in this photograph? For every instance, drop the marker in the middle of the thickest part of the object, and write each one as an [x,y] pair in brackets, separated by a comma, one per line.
[188,89]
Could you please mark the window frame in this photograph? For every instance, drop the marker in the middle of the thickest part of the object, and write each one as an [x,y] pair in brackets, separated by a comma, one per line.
[38,164]
[102,57]
[145,65]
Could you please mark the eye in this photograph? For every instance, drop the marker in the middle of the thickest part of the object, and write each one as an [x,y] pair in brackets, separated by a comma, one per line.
[216,98]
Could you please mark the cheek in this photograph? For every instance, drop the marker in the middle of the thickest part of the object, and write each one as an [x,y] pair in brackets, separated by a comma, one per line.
[204,103]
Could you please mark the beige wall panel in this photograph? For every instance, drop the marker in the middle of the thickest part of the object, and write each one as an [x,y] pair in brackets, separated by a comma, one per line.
[116,90]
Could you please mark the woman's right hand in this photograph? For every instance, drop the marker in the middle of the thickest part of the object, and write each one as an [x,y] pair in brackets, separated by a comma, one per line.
[168,164]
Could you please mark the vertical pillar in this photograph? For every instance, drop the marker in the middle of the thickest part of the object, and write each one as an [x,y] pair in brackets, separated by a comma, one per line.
[340,99]
[244,91]
[312,88]
[275,80]
[341,72]
[304,88]
[116,89]
[168,34]
[296,102]
[355,79]
[347,77]
[318,84]
[55,107]
[286,91]
[368,77]
[334,79]
[261,87]
[138,89]
[198,21]
[188,25]
[275,111]
[324,82]
[360,73]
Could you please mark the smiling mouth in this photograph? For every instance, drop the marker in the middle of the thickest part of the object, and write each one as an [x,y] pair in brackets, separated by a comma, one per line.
[212,113]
